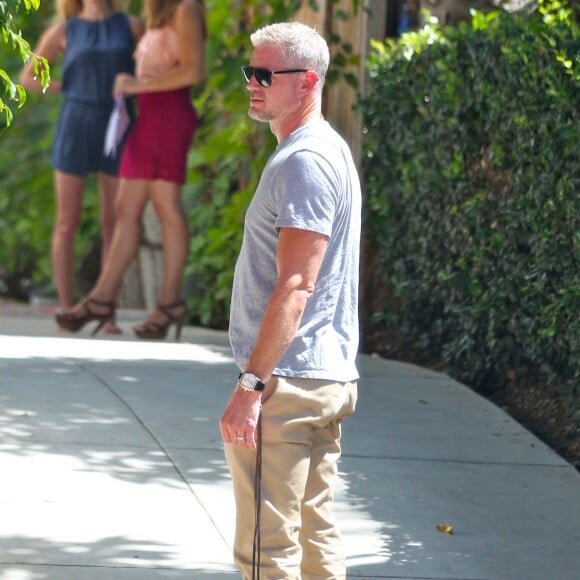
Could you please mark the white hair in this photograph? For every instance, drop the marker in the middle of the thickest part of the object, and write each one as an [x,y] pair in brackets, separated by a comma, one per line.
[301,46]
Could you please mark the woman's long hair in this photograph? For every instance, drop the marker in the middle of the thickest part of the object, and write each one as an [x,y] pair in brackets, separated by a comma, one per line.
[159,12]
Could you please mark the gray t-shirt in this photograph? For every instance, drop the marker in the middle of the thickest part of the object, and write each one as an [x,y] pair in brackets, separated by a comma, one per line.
[310,183]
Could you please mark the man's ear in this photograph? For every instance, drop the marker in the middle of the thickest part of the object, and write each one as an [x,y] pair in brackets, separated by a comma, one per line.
[310,79]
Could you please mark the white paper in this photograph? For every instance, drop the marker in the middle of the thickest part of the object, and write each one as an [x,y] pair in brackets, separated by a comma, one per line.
[117,126]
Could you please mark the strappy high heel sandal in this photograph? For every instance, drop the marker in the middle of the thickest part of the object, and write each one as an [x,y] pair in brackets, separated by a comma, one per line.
[158,330]
[69,320]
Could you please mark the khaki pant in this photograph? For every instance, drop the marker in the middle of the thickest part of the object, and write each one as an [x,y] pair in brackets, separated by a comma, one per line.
[300,450]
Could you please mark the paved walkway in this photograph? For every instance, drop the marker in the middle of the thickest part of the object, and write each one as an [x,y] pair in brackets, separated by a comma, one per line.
[111,467]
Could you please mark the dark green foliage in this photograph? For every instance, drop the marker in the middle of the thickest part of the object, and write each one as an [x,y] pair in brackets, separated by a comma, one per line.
[27,199]
[473,203]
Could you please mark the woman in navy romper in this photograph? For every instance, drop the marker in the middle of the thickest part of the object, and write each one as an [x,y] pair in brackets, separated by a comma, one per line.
[97,41]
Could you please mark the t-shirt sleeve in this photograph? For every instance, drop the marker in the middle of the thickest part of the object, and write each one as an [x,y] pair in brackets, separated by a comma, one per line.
[307,192]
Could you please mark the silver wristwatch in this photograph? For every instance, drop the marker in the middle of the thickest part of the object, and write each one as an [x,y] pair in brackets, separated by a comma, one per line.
[250,382]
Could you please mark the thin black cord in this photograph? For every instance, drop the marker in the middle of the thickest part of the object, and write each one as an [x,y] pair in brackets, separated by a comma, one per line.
[257,502]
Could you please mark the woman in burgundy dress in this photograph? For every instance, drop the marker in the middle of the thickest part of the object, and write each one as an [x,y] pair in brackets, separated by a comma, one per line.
[169,60]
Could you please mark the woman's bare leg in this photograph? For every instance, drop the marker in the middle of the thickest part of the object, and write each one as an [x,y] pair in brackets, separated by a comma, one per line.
[69,197]
[108,186]
[168,204]
[131,199]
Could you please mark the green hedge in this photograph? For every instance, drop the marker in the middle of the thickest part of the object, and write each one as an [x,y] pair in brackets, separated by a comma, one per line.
[473,206]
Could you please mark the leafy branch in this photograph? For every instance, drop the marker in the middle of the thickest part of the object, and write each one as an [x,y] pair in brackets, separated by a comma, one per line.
[12,37]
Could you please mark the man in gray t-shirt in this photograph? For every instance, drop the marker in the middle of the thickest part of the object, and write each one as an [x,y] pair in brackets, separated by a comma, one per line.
[294,318]
[310,184]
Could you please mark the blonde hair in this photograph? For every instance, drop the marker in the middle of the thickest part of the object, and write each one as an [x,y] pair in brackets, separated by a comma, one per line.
[68,8]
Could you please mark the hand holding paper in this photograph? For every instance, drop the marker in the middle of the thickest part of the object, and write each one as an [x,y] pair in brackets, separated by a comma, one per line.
[118,124]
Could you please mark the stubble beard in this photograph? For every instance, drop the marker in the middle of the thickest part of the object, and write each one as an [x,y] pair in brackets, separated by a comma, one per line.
[261,116]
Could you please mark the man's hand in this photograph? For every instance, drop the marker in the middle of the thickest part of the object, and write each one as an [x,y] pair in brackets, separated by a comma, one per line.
[240,418]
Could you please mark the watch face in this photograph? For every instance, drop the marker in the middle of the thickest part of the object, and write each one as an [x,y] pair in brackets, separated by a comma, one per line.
[249,381]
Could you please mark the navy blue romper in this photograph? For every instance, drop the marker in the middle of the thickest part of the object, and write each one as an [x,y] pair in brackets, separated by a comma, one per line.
[95,52]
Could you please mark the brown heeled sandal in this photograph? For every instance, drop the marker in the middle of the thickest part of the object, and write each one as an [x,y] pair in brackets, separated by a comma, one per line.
[74,322]
[158,330]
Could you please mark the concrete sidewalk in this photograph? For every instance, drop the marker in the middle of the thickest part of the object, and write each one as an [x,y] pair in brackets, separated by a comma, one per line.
[111,467]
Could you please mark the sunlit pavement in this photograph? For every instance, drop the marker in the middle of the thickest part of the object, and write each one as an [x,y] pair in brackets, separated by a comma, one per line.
[111,467]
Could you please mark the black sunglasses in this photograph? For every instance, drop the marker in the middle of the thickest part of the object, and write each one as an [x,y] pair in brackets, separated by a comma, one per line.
[264,76]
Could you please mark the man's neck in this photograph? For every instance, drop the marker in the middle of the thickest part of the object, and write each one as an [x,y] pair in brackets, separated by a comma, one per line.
[281,128]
